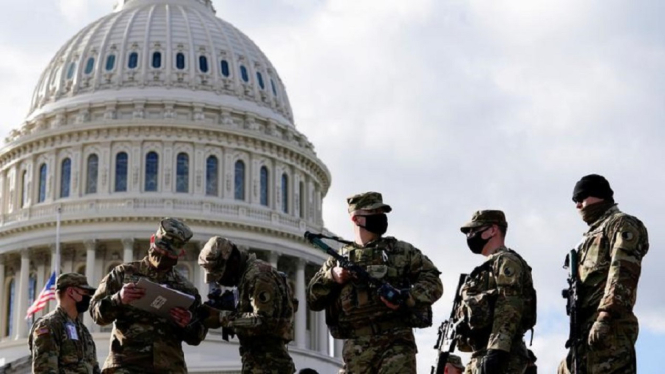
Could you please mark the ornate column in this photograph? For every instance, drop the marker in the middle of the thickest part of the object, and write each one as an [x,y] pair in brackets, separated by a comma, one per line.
[199,275]
[19,317]
[3,307]
[339,344]
[274,259]
[322,333]
[41,279]
[301,317]
[90,256]
[128,250]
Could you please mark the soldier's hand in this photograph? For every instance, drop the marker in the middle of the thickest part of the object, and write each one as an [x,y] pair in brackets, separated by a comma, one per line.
[599,334]
[341,275]
[215,318]
[181,316]
[389,304]
[131,292]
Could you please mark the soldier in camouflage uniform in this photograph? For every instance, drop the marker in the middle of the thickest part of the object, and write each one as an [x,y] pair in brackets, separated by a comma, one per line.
[610,257]
[265,312]
[378,335]
[142,342]
[60,343]
[498,300]
[454,365]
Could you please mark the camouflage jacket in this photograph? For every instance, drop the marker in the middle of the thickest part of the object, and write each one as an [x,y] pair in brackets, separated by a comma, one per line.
[498,304]
[60,345]
[265,304]
[354,309]
[141,339]
[610,257]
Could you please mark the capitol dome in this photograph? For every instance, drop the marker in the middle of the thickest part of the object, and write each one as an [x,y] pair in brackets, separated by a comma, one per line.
[159,109]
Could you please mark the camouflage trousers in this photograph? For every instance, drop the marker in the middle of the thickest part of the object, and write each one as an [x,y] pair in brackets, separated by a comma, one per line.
[269,358]
[391,353]
[617,355]
[517,363]
[136,369]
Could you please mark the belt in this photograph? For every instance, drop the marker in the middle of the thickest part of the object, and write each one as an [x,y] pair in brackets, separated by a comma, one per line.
[378,328]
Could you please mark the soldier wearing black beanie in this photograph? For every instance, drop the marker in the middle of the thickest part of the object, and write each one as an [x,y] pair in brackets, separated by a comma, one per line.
[593,185]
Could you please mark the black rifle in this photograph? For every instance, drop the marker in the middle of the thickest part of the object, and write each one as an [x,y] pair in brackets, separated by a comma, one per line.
[447,332]
[384,289]
[571,294]
[218,301]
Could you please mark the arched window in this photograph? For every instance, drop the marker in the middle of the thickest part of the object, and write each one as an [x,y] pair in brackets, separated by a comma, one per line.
[285,193]
[243,73]
[203,64]
[225,68]
[65,177]
[157,60]
[24,188]
[151,171]
[121,172]
[274,89]
[91,181]
[32,291]
[239,185]
[302,200]
[90,65]
[133,60]
[180,61]
[71,70]
[259,78]
[11,298]
[42,183]
[110,62]
[212,172]
[264,185]
[182,173]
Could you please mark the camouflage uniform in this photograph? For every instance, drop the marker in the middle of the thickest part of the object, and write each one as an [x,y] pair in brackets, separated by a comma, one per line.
[60,345]
[610,257]
[498,304]
[376,339]
[265,312]
[141,342]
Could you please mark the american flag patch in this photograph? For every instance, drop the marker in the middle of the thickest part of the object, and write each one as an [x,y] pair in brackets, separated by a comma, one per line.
[42,331]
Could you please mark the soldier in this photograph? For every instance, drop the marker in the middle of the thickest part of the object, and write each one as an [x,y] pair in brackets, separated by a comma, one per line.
[265,312]
[610,257]
[454,365]
[59,341]
[378,335]
[142,342]
[498,300]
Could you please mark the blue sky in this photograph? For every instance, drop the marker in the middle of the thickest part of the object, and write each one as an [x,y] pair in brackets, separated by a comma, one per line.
[447,107]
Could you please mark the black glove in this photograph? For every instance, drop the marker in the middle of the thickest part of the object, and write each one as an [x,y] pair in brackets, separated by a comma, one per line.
[494,362]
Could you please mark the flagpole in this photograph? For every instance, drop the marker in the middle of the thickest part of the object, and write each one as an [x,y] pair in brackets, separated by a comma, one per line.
[57,243]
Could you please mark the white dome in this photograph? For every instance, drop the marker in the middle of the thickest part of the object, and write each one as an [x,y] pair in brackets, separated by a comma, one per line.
[175,50]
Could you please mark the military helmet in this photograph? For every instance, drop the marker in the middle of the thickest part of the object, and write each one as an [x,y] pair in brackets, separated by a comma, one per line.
[213,257]
[172,235]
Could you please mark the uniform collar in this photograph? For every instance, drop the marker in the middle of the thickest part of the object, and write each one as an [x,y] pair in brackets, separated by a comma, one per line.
[611,211]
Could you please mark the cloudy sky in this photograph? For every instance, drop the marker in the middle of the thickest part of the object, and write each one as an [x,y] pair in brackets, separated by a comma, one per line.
[446,107]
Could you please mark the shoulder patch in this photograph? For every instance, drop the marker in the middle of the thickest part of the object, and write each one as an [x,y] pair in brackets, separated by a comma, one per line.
[264,296]
[42,331]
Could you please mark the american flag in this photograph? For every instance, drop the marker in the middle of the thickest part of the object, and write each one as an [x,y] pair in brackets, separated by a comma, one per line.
[48,293]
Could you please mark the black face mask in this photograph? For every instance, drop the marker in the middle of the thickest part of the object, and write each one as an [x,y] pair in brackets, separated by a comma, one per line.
[376,223]
[84,304]
[476,242]
[161,262]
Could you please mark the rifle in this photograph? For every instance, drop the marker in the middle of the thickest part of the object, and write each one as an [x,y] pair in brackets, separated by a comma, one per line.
[571,294]
[218,301]
[384,289]
[447,331]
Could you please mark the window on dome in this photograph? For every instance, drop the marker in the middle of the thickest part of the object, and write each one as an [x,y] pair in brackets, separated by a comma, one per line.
[11,300]
[151,171]
[133,60]
[239,182]
[225,68]
[121,172]
[203,64]
[90,65]
[157,60]
[91,181]
[259,78]
[32,291]
[70,71]
[42,183]
[24,188]
[180,61]
[212,172]
[110,62]
[65,177]
[274,89]
[243,73]
[264,186]
[182,173]
[285,193]
[302,200]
